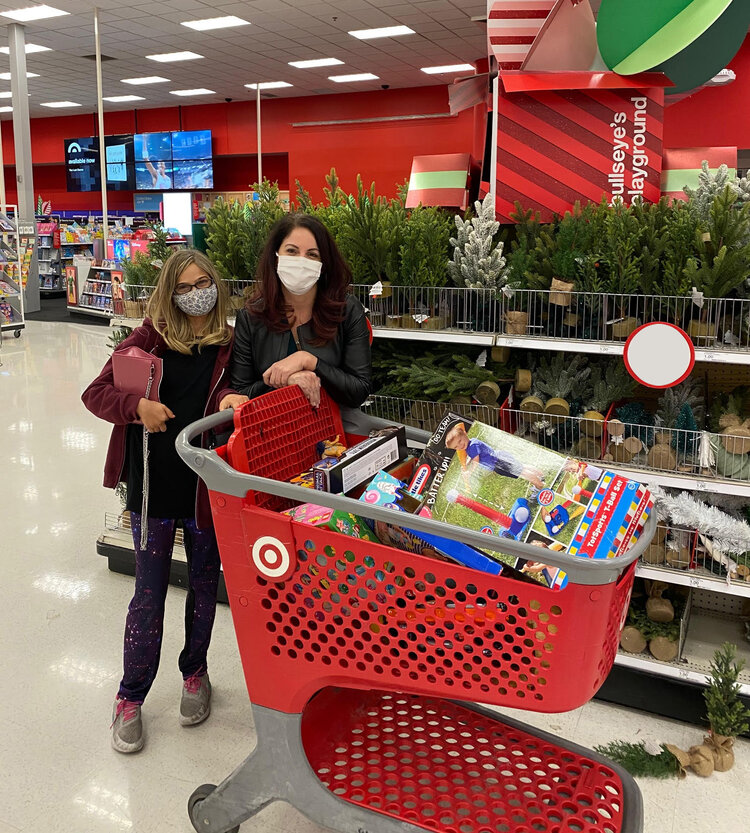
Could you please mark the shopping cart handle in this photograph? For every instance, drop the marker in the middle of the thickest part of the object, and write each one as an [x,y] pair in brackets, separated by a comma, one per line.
[222,478]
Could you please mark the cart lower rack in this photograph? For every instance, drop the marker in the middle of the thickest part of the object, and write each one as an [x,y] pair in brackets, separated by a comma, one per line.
[355,654]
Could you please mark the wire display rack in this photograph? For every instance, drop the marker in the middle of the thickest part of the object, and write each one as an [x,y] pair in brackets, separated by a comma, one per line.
[354,652]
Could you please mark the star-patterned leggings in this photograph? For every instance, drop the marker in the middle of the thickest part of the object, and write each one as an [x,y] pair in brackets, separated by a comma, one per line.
[145,619]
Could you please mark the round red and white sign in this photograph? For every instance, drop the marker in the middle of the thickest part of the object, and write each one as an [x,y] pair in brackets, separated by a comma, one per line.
[659,355]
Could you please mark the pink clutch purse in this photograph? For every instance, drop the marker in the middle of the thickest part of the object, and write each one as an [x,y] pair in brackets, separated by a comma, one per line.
[136,371]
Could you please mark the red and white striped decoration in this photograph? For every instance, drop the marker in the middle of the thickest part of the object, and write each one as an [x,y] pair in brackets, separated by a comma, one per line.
[512,26]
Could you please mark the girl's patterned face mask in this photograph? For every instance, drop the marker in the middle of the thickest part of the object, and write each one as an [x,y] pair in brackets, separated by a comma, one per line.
[198,301]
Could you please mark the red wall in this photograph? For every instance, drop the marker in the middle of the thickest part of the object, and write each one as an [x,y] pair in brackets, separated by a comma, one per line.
[380,151]
[714,117]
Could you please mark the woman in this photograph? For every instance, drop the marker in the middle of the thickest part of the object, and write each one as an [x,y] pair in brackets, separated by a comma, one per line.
[187,328]
[301,327]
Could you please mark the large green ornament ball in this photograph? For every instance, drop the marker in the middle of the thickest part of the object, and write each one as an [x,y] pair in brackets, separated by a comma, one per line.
[688,40]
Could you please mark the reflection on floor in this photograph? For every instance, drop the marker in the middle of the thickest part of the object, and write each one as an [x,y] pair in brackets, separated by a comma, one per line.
[61,618]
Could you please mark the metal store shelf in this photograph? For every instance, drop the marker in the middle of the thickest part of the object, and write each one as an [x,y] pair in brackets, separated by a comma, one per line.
[707,631]
[698,579]
[604,348]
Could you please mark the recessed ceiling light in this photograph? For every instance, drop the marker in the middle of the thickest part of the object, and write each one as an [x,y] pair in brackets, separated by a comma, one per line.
[209,23]
[448,68]
[362,76]
[146,79]
[384,32]
[6,109]
[60,104]
[6,76]
[33,13]
[30,47]
[166,57]
[117,99]
[269,85]
[197,91]
[316,62]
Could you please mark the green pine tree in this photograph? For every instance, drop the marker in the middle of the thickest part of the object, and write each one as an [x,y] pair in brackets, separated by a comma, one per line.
[425,246]
[722,260]
[727,714]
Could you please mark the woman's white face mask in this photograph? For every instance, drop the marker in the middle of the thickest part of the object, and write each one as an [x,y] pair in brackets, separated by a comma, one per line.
[298,274]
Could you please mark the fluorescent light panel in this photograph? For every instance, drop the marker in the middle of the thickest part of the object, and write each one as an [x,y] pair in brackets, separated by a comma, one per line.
[6,109]
[316,62]
[29,48]
[117,99]
[60,104]
[362,76]
[268,85]
[166,57]
[209,23]
[384,32]
[6,76]
[448,68]
[146,79]
[6,94]
[33,13]
[197,91]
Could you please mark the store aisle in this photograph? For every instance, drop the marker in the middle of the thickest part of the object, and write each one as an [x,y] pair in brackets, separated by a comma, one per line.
[62,615]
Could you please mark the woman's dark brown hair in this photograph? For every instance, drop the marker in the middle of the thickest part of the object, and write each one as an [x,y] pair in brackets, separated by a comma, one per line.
[267,302]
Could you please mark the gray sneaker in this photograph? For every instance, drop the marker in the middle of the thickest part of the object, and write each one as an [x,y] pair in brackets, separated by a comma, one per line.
[195,705]
[127,727]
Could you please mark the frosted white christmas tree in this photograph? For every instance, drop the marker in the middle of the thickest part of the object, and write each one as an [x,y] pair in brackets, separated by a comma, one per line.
[477,262]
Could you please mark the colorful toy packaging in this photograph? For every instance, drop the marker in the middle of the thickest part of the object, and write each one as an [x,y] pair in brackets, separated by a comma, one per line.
[361,462]
[344,522]
[482,478]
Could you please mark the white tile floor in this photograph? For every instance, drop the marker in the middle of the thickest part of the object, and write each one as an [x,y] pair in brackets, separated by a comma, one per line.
[61,619]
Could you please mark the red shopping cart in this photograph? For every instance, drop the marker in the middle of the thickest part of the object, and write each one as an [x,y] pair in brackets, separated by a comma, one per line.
[363,662]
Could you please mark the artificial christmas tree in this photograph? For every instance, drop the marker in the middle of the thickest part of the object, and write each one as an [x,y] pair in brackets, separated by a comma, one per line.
[478,261]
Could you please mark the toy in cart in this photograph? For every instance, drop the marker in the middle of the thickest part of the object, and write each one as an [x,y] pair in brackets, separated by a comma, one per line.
[482,478]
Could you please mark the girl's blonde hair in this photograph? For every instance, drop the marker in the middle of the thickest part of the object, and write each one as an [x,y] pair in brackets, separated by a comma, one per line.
[172,324]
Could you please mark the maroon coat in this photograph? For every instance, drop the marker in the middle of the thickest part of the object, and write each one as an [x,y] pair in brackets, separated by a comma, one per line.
[105,401]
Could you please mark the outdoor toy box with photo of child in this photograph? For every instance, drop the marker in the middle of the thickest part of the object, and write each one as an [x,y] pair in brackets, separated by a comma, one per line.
[484,479]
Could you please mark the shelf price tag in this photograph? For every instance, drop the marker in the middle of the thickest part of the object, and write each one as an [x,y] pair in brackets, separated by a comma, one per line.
[607,349]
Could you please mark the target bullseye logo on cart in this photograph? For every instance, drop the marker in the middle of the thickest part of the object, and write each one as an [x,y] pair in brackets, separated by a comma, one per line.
[270,556]
[546,496]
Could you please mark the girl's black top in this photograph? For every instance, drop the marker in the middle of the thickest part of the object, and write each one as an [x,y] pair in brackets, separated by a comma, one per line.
[172,485]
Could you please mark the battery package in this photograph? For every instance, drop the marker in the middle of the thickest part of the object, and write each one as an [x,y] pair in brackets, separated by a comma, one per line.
[360,463]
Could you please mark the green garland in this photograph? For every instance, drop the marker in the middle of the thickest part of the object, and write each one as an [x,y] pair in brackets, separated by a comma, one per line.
[638,762]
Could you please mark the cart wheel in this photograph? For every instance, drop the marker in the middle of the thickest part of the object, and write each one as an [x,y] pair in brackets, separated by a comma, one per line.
[195,800]
[17,334]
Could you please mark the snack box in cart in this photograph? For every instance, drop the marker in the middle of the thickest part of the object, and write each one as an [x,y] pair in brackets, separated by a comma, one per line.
[482,478]
[334,519]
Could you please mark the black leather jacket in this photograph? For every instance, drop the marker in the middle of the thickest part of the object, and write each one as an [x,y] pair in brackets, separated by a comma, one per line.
[344,364]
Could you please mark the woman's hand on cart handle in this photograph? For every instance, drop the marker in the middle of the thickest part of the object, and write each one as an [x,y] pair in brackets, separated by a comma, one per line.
[154,415]
[309,384]
[277,375]
[233,400]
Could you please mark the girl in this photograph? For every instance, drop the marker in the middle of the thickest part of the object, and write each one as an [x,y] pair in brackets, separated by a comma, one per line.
[186,326]
[301,327]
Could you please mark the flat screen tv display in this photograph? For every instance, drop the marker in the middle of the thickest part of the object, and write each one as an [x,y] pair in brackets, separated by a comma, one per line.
[120,166]
[82,169]
[153,147]
[191,144]
[82,164]
[193,175]
[153,176]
